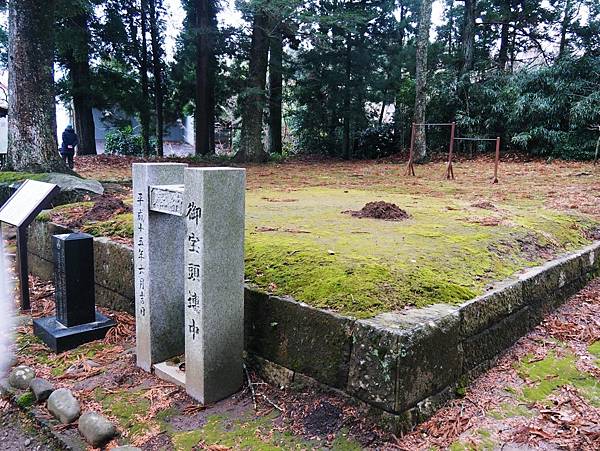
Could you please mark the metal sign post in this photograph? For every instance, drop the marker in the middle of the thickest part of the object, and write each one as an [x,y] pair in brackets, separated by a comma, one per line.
[20,210]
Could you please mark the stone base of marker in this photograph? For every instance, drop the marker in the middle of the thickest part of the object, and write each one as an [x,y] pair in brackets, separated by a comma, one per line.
[170,372]
[60,338]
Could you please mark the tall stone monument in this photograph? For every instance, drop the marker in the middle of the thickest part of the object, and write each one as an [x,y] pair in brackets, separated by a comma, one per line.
[189,251]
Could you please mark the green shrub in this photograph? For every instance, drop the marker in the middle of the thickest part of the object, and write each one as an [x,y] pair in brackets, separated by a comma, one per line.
[376,142]
[123,141]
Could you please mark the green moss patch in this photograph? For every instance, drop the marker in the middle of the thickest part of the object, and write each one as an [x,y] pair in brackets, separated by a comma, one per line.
[32,346]
[127,407]
[11,177]
[26,400]
[119,226]
[251,433]
[545,376]
[510,410]
[594,349]
[301,244]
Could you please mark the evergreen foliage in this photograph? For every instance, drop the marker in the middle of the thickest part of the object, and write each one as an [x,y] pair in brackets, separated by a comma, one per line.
[339,79]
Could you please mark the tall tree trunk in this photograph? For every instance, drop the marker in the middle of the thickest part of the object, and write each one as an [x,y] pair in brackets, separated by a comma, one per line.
[468,36]
[204,113]
[450,25]
[32,143]
[253,103]
[383,105]
[275,91]
[145,101]
[421,79]
[155,38]
[504,43]
[346,114]
[79,70]
[564,27]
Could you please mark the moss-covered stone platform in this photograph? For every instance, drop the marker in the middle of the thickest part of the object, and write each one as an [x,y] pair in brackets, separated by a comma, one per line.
[401,365]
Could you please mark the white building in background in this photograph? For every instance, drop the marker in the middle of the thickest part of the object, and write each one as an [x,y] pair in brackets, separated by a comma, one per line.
[108,120]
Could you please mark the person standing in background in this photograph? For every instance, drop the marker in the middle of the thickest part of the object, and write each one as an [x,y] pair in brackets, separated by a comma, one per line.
[69,142]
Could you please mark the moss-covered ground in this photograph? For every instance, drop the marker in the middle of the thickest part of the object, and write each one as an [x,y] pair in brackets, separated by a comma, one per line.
[461,236]
[544,393]
[10,177]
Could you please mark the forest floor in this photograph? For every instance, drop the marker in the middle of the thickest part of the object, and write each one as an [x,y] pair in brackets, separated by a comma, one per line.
[544,392]
[458,236]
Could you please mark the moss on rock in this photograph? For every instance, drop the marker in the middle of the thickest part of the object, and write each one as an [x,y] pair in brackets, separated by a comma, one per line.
[119,226]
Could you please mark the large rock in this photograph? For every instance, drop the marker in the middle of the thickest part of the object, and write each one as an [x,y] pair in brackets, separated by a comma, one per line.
[72,188]
[96,429]
[63,405]
[20,377]
[41,389]
[75,185]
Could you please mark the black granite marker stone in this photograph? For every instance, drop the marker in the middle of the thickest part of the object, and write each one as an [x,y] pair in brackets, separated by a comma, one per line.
[76,321]
[74,278]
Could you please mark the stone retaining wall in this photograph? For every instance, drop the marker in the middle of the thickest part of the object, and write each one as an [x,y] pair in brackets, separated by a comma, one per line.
[400,366]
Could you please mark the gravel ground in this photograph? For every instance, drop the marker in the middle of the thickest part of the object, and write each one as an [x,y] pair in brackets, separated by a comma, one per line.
[18,434]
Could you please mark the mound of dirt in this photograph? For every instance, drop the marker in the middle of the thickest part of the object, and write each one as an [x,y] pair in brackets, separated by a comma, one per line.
[380,210]
[485,205]
[106,207]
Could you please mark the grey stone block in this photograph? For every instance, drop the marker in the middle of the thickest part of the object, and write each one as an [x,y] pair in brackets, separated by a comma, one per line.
[590,258]
[271,372]
[159,292]
[108,298]
[374,364]
[545,283]
[43,269]
[214,217]
[40,238]
[20,377]
[96,429]
[483,311]
[399,359]
[299,337]
[41,389]
[430,356]
[486,345]
[63,405]
[113,263]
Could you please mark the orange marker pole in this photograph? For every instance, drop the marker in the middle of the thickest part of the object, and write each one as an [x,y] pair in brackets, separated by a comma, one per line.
[450,170]
[410,169]
[497,160]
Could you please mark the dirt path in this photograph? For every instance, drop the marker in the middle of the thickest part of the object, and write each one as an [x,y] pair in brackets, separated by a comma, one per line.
[18,434]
